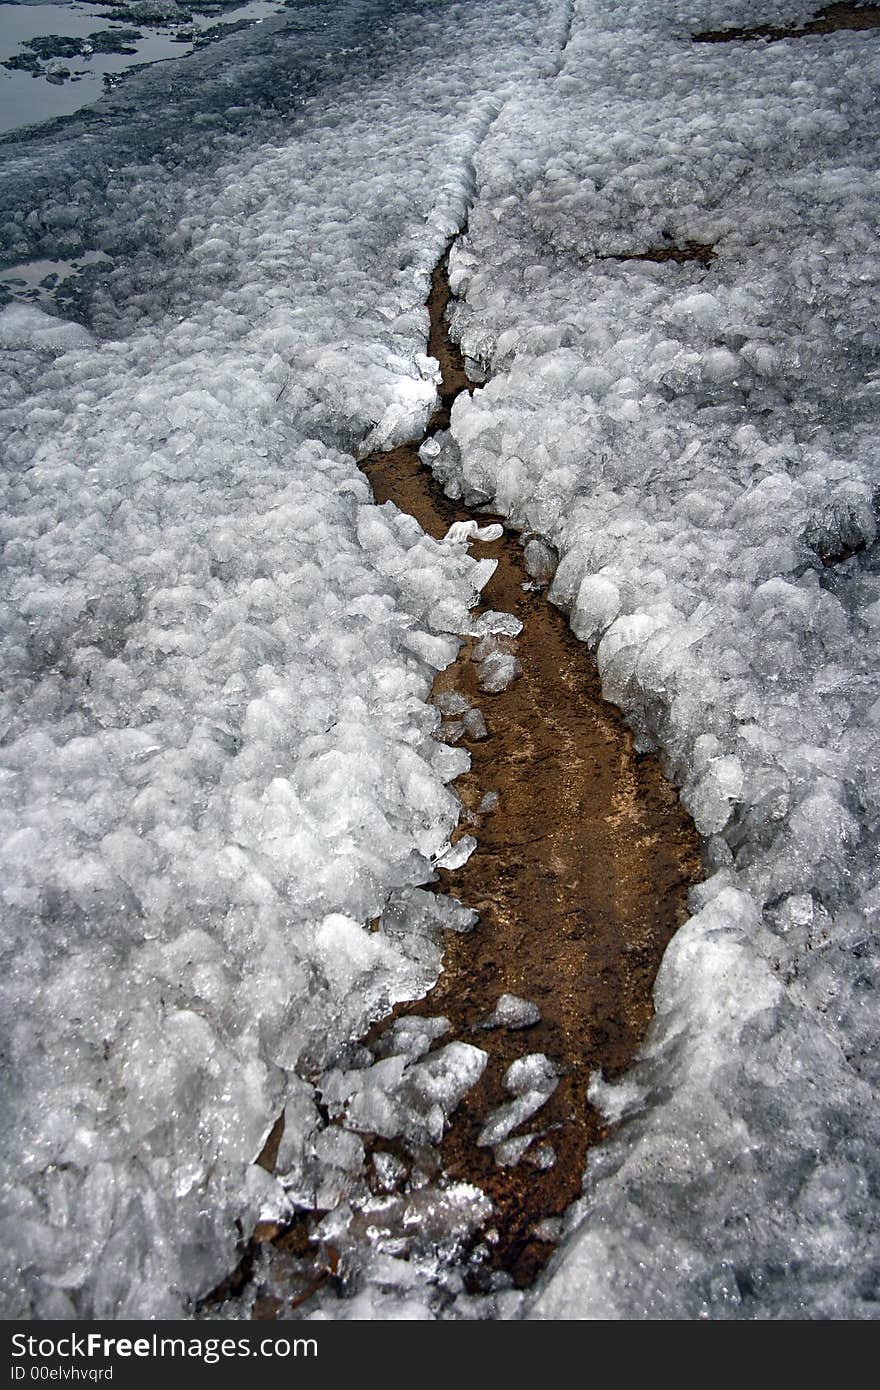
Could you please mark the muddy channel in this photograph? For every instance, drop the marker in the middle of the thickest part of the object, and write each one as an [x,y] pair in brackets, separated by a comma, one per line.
[580,878]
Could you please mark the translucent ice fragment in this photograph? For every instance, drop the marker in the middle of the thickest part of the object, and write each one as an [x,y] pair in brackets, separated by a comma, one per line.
[411,1037]
[458,854]
[535,1072]
[508,1116]
[542,1156]
[510,1151]
[475,725]
[512,1012]
[464,531]
[613,1100]
[497,668]
[498,624]
[450,702]
[540,560]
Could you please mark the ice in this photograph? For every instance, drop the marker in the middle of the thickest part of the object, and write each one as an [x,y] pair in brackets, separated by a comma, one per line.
[509,1152]
[615,1100]
[416,1225]
[472,723]
[414,912]
[390,1171]
[535,1072]
[542,1156]
[540,560]
[695,439]
[491,623]
[473,531]
[531,1080]
[337,1160]
[220,766]
[451,702]
[456,855]
[475,725]
[411,1036]
[441,454]
[398,1096]
[508,1117]
[512,1012]
[497,666]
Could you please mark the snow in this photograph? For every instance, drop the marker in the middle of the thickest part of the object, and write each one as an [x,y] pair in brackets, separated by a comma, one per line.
[218,761]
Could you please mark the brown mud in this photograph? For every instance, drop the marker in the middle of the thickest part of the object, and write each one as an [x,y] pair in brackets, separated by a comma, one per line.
[580,877]
[829,20]
[691,251]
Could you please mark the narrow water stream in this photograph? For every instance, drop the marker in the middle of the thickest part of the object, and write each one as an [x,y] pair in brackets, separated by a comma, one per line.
[580,878]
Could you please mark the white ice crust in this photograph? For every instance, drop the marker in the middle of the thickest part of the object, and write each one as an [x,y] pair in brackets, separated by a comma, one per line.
[217,759]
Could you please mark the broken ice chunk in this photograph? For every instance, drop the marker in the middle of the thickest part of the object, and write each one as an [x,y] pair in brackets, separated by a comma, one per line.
[550,1229]
[406,1222]
[456,855]
[450,702]
[532,1080]
[413,911]
[431,648]
[453,916]
[510,1151]
[507,1117]
[446,1076]
[390,1171]
[475,725]
[711,800]
[512,1012]
[336,1163]
[453,730]
[497,668]
[490,624]
[472,531]
[396,1097]
[489,803]
[543,1156]
[411,1037]
[535,1072]
[540,560]
[614,1100]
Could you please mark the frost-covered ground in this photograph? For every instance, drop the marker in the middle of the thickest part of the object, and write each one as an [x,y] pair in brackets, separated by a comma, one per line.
[217,759]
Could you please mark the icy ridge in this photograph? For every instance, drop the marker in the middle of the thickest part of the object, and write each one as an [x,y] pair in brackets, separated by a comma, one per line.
[218,760]
[697,441]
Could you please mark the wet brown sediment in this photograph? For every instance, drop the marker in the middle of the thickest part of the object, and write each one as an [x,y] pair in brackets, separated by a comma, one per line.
[690,251]
[580,877]
[829,20]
